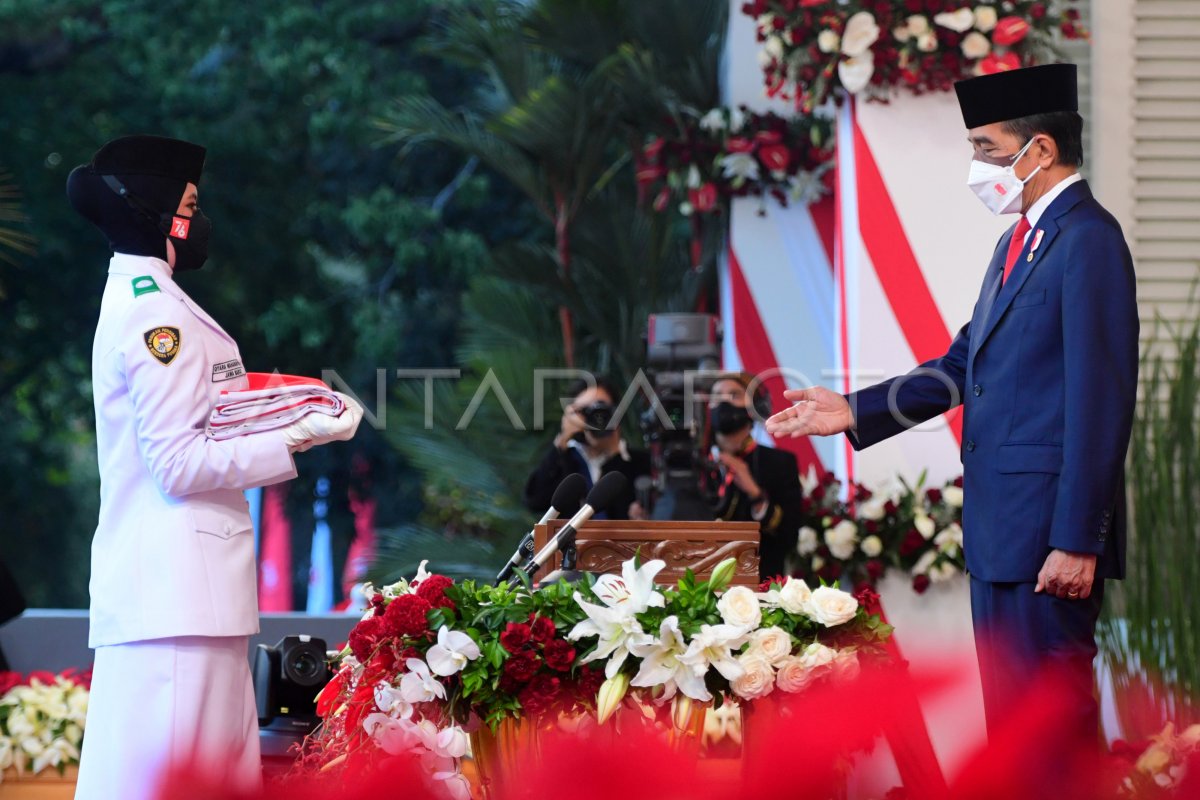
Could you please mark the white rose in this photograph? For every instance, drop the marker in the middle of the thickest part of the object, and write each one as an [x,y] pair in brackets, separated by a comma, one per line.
[942,572]
[975,45]
[959,21]
[842,539]
[817,655]
[855,73]
[774,47]
[925,525]
[927,42]
[832,607]
[774,644]
[764,58]
[766,23]
[817,563]
[792,675]
[985,18]
[828,41]
[901,34]
[918,24]
[925,562]
[808,542]
[795,597]
[873,509]
[872,546]
[953,496]
[739,607]
[861,32]
[757,678]
[846,666]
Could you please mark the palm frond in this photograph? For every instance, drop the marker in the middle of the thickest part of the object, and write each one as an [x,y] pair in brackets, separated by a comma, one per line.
[400,552]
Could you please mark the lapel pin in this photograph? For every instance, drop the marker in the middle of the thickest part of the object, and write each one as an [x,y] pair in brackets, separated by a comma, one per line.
[1037,240]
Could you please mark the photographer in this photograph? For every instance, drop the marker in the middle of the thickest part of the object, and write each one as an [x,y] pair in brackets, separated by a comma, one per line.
[588,443]
[758,483]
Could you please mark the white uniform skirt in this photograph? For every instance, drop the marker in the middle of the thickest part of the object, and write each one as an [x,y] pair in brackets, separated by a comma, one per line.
[186,701]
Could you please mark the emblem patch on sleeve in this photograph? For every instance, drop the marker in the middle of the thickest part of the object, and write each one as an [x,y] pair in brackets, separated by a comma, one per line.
[163,344]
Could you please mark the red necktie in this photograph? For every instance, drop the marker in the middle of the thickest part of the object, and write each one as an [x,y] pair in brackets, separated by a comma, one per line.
[1015,246]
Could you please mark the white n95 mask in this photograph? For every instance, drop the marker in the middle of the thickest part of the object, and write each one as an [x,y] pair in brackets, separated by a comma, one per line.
[999,187]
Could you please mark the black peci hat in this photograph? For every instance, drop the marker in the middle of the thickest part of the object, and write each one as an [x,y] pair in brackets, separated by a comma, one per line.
[1018,93]
[150,155]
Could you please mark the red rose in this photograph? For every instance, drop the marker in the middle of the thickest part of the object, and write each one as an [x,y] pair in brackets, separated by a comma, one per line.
[871,526]
[868,598]
[515,636]
[541,628]
[703,199]
[830,572]
[433,591]
[366,636]
[958,481]
[889,508]
[818,493]
[538,697]
[1009,31]
[933,495]
[913,541]
[920,584]
[521,666]
[589,682]
[406,615]
[1037,10]
[738,144]
[992,63]
[559,655]
[779,580]
[875,569]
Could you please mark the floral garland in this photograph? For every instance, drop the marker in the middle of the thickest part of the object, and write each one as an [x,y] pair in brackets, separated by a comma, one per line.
[42,718]
[913,530]
[811,48]
[433,659]
[726,153]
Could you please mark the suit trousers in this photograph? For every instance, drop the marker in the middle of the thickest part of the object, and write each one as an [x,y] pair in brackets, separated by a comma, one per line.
[186,701]
[1019,635]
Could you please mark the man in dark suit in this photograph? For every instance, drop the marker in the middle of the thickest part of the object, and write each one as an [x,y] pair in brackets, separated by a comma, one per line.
[1047,372]
[758,483]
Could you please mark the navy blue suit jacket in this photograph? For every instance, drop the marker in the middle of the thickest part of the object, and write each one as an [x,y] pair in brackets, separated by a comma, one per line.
[1047,372]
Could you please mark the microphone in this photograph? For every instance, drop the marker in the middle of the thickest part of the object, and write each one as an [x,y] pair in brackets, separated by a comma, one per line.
[643,491]
[606,490]
[566,500]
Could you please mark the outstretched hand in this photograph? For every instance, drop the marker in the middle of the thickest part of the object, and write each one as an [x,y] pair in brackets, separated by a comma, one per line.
[817,412]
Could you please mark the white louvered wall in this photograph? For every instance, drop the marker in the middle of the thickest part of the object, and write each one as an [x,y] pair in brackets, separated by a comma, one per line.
[1166,160]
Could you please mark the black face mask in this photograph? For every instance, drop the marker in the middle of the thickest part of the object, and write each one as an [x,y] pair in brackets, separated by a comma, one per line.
[728,418]
[189,238]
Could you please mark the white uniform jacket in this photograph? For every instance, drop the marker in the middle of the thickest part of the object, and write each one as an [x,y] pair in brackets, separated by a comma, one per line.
[173,553]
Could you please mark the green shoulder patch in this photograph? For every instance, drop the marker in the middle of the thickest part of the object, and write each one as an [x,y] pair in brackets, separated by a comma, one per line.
[144,284]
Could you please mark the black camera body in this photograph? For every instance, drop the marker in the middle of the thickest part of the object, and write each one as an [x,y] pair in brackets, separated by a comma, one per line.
[598,416]
[287,678]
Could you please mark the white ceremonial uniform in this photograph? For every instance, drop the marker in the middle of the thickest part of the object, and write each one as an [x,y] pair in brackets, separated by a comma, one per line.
[173,588]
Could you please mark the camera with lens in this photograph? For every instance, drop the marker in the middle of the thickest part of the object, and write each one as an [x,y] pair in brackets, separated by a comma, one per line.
[598,416]
[287,678]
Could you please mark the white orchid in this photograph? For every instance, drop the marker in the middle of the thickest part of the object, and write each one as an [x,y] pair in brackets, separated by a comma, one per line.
[616,630]
[713,647]
[418,685]
[632,592]
[390,700]
[453,651]
[806,186]
[713,121]
[661,664]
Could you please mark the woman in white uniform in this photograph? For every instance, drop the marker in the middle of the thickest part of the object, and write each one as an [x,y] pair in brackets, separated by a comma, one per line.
[173,591]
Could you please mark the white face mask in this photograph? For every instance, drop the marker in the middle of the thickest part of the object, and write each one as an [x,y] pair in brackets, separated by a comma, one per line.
[999,187]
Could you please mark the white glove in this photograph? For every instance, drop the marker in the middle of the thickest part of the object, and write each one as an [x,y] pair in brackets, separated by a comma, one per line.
[314,429]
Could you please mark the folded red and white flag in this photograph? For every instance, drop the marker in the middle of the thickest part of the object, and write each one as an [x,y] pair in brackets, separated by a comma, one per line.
[273,401]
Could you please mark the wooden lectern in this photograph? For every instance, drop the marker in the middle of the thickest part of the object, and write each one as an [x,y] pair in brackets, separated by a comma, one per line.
[602,545]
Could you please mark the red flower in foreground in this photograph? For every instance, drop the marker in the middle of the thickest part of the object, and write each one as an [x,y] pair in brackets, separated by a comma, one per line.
[406,615]
[433,591]
[366,636]
[539,696]
[559,655]
[542,628]
[868,598]
[521,666]
[515,636]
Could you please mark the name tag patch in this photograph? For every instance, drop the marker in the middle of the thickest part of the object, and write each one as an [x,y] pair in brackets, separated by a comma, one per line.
[227,371]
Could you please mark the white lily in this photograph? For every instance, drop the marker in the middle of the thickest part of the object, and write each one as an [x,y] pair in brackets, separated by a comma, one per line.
[661,664]
[739,167]
[713,121]
[713,647]
[616,630]
[632,592]
[454,649]
[418,685]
